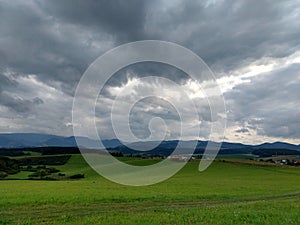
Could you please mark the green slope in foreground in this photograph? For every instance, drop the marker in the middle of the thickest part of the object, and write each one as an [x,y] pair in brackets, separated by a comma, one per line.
[224,194]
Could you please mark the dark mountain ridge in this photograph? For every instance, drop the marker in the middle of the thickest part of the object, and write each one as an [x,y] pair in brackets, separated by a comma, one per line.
[33,140]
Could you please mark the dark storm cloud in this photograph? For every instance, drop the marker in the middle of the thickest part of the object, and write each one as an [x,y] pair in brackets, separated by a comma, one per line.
[33,42]
[57,40]
[144,69]
[228,33]
[124,20]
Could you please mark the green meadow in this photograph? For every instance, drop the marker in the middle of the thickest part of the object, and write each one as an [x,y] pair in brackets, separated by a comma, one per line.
[226,193]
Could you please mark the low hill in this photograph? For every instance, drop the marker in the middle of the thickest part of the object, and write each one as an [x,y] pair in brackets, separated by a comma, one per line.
[19,141]
[278,145]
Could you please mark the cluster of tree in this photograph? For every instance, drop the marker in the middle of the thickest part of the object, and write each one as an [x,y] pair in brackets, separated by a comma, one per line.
[58,150]
[42,150]
[8,166]
[41,172]
[116,154]
[37,165]
[11,152]
[44,160]
[164,151]
[272,152]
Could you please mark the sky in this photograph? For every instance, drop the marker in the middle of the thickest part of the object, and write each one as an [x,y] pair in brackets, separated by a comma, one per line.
[252,47]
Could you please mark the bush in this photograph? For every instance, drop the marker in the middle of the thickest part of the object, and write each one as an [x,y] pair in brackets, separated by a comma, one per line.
[40,173]
[3,175]
[49,178]
[77,176]
[43,171]
[9,166]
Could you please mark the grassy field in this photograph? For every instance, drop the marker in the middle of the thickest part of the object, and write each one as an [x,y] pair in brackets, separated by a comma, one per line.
[226,193]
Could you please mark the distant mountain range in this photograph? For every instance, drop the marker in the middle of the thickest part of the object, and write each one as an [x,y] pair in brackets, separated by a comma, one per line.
[25,140]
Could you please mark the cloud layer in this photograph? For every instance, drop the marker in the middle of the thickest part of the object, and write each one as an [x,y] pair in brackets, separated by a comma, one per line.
[252,47]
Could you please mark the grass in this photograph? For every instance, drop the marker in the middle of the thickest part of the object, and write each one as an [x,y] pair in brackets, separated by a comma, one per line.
[20,175]
[33,153]
[226,193]
[235,156]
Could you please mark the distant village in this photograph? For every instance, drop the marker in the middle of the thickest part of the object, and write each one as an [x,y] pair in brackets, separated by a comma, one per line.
[290,162]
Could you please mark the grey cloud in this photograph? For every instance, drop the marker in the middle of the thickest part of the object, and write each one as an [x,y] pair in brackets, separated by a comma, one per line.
[57,41]
[242,130]
[230,33]
[269,104]
[19,105]
[122,19]
[6,83]
[13,102]
[144,69]
[148,108]
[34,43]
